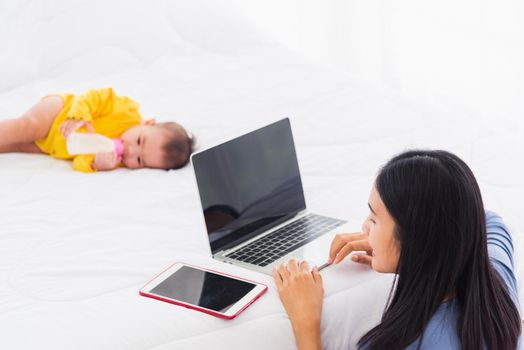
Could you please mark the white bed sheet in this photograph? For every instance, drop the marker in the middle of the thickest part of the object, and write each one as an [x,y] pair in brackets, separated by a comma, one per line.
[75,248]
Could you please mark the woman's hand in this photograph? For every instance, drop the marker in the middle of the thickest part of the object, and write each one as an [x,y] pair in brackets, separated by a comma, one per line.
[105,161]
[344,244]
[301,293]
[71,125]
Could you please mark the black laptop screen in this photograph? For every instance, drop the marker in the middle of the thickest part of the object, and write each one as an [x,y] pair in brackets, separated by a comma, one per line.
[249,184]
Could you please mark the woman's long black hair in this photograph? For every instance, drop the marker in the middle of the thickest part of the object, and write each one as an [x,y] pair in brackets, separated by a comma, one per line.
[440,222]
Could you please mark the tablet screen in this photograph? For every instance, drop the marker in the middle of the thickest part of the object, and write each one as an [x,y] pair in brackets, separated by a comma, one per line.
[202,288]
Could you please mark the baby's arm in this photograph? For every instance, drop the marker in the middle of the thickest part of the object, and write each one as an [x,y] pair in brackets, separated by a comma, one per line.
[89,163]
[85,108]
[89,105]
[84,163]
[70,125]
[106,161]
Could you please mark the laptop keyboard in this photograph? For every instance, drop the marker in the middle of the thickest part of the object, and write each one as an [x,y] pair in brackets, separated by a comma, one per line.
[284,240]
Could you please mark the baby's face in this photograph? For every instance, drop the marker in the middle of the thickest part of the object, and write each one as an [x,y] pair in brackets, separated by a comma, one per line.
[143,147]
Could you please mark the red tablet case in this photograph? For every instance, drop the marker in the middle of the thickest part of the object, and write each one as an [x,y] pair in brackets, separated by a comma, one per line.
[198,308]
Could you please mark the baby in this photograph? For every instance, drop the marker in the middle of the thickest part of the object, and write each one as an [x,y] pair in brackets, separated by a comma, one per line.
[45,127]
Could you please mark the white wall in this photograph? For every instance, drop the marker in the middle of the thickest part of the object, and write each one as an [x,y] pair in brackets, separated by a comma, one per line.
[468,54]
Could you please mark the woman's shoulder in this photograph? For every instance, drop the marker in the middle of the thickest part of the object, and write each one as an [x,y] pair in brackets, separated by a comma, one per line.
[500,248]
[441,331]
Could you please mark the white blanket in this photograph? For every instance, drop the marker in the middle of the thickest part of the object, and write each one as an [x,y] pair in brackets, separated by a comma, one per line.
[75,248]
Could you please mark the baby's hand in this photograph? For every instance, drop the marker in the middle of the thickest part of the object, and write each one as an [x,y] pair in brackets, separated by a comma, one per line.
[105,161]
[70,125]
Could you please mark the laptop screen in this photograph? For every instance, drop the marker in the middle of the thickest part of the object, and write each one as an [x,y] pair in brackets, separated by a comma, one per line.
[249,184]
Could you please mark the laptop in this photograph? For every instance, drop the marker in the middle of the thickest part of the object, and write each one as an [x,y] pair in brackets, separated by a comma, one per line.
[253,202]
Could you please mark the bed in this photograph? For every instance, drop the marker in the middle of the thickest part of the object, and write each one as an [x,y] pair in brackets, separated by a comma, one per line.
[75,248]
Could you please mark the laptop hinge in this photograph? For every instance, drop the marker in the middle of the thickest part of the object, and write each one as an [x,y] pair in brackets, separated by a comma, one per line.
[222,252]
[264,233]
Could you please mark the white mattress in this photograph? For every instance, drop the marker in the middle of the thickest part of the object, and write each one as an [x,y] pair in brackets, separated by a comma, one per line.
[75,248]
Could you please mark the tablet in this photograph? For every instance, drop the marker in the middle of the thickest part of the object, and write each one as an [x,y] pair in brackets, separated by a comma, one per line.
[201,289]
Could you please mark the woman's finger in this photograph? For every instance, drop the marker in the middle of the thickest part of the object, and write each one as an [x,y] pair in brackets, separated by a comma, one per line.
[284,272]
[351,247]
[316,275]
[336,245]
[293,265]
[362,259]
[340,241]
[304,266]
[277,278]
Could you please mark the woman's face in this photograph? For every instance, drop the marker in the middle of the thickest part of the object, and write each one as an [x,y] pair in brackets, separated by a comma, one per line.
[381,227]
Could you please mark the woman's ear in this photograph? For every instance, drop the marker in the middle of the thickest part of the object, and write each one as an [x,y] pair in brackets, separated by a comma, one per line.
[149,122]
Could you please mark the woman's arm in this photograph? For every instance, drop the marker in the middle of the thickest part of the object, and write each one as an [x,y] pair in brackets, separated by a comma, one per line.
[500,249]
[308,338]
[301,293]
[301,290]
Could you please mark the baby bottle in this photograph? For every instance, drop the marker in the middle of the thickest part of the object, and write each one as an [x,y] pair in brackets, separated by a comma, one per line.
[91,143]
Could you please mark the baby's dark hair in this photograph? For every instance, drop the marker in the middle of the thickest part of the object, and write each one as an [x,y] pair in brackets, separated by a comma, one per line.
[179,146]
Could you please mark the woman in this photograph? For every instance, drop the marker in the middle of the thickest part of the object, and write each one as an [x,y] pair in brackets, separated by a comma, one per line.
[454,286]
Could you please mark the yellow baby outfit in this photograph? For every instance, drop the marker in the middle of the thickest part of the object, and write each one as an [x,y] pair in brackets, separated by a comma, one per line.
[109,114]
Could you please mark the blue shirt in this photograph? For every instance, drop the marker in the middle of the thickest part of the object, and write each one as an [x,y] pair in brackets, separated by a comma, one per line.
[441,332]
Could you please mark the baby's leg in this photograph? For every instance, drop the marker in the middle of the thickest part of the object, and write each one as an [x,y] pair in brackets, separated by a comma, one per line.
[20,147]
[31,126]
